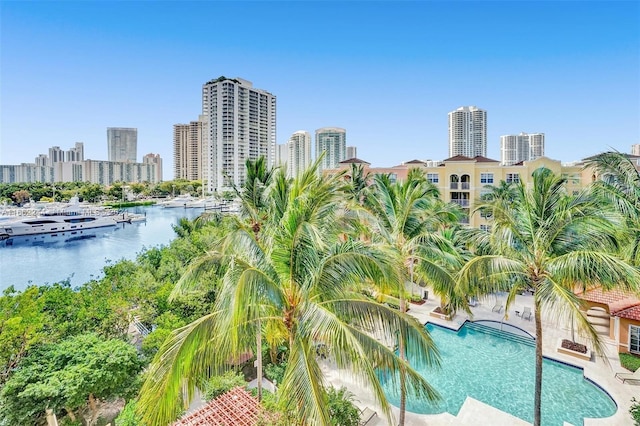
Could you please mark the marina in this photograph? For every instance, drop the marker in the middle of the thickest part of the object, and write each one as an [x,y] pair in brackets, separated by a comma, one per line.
[80,254]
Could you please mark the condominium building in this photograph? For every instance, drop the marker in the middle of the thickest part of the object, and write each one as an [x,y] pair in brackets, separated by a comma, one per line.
[189,141]
[523,147]
[122,144]
[157,161]
[105,172]
[76,153]
[241,125]
[56,155]
[332,142]
[635,149]
[26,173]
[468,132]
[352,152]
[298,153]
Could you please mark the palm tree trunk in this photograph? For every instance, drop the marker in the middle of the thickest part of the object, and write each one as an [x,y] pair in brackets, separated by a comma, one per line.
[401,353]
[538,387]
[259,359]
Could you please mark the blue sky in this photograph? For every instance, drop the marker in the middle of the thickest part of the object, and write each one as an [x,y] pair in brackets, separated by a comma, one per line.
[388,72]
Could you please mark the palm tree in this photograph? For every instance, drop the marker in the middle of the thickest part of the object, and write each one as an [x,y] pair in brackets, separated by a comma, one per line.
[619,184]
[554,244]
[300,278]
[404,218]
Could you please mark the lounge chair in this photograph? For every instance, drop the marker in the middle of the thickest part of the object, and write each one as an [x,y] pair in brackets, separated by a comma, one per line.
[633,378]
[526,313]
[497,308]
[366,415]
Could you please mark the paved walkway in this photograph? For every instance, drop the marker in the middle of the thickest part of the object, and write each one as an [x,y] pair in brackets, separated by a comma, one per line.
[600,369]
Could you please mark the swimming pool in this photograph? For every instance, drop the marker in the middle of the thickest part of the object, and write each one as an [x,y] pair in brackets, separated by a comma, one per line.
[498,369]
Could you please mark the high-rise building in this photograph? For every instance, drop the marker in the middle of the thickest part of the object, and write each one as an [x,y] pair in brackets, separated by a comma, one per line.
[523,147]
[468,132]
[282,155]
[298,153]
[56,155]
[122,144]
[352,152]
[42,160]
[188,149]
[332,141]
[157,160]
[635,149]
[241,125]
[76,153]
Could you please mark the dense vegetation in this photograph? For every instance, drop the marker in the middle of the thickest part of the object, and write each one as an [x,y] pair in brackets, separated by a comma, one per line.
[310,269]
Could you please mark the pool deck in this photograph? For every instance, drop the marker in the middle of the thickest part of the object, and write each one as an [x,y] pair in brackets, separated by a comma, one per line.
[600,369]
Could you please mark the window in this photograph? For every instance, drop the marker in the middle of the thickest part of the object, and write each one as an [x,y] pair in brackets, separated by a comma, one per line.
[486,178]
[486,213]
[513,178]
[486,228]
[634,339]
[433,177]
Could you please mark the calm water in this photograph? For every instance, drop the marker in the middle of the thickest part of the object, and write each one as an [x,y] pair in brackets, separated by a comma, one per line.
[47,259]
[498,370]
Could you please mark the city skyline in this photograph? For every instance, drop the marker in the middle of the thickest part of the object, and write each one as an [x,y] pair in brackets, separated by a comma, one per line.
[398,69]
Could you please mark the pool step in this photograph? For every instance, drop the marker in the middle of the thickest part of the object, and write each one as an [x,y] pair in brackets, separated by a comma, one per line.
[500,333]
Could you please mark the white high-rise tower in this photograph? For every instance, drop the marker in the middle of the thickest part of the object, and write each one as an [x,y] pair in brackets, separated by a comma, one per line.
[241,125]
[522,147]
[333,142]
[298,153]
[122,144]
[468,132]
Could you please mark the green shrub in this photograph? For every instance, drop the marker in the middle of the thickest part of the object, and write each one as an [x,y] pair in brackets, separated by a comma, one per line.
[217,385]
[629,361]
[275,372]
[341,408]
[635,411]
[128,416]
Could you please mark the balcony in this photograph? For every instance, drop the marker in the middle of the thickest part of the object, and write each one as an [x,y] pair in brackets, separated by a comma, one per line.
[461,203]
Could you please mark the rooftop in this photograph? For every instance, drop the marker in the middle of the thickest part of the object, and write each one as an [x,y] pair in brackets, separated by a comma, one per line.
[236,407]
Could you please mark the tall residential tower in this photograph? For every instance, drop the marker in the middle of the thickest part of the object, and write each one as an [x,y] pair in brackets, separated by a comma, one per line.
[332,141]
[188,149]
[122,144]
[241,125]
[468,132]
[298,153]
[523,147]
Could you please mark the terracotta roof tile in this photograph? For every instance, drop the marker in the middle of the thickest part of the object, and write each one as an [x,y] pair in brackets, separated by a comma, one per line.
[616,300]
[353,160]
[481,159]
[458,158]
[632,313]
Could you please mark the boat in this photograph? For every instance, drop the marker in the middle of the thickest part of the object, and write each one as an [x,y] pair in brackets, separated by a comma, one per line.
[66,218]
[180,201]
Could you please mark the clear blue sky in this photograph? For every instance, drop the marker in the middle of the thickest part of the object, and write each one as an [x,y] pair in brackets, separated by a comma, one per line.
[388,72]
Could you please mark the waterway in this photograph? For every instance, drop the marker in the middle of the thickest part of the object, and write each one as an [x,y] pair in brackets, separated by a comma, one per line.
[80,258]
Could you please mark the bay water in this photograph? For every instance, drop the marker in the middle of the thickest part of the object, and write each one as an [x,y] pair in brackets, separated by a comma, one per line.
[53,258]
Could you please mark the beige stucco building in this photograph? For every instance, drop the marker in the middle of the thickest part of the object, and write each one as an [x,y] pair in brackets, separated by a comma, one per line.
[462,180]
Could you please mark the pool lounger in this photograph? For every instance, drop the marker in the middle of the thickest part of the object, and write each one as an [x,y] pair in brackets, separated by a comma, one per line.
[366,415]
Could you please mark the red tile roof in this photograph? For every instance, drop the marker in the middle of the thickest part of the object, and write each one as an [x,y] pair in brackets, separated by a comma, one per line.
[458,158]
[481,159]
[236,407]
[353,160]
[632,313]
[616,300]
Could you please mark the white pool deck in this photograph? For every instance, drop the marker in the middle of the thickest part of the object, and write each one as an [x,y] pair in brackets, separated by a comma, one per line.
[476,413]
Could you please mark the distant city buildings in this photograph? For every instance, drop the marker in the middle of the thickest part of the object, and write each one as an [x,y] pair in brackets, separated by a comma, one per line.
[76,153]
[332,142]
[468,132]
[189,141]
[241,125]
[523,147]
[635,149]
[157,161]
[352,152]
[296,153]
[122,144]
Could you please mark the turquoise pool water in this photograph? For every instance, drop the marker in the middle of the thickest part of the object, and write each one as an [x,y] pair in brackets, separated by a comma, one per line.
[497,368]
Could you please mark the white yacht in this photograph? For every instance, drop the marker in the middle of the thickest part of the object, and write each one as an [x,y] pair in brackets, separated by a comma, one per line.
[68,218]
[180,201]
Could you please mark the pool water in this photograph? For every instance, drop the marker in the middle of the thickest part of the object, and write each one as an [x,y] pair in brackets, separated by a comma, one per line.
[498,369]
